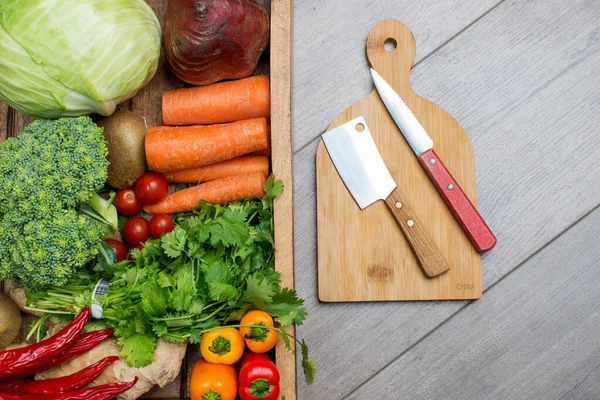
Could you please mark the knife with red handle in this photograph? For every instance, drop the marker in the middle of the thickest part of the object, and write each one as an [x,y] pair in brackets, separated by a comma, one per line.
[464,211]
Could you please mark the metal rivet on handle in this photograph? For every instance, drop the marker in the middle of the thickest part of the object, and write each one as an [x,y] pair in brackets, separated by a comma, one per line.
[410,222]
[398,204]
[450,186]
[432,161]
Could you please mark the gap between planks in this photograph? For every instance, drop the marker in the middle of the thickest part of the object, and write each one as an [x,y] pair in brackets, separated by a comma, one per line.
[461,309]
[425,57]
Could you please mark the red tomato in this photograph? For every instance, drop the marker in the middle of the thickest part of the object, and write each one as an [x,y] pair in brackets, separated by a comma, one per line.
[161,223]
[136,230]
[151,188]
[119,249]
[127,202]
[129,256]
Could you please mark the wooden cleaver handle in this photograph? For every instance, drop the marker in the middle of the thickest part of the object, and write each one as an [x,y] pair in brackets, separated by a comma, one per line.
[428,254]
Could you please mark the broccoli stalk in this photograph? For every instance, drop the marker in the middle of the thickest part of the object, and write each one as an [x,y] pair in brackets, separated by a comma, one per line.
[103,211]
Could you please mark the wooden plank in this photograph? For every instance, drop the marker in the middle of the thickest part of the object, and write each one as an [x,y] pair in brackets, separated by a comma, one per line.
[532,336]
[281,163]
[524,84]
[16,121]
[370,258]
[330,65]
[3,122]
[148,101]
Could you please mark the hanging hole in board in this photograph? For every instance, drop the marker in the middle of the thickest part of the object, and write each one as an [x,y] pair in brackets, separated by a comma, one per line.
[390,44]
[359,127]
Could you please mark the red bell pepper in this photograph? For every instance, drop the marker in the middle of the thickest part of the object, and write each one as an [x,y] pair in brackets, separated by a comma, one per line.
[259,378]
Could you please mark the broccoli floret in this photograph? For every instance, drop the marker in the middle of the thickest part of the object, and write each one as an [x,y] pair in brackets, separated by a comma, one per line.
[46,174]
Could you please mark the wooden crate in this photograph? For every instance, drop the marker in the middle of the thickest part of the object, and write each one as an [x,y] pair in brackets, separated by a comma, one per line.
[276,62]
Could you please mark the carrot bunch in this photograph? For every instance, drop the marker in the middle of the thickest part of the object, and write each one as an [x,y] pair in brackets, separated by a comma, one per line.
[223,144]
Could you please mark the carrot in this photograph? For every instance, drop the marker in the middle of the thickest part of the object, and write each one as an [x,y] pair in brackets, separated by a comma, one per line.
[236,166]
[217,103]
[219,191]
[177,148]
[267,151]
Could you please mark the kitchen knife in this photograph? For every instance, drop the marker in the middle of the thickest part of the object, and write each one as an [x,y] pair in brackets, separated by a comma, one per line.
[364,173]
[464,211]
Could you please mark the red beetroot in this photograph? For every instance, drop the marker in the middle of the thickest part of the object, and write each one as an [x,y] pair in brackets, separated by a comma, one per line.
[206,41]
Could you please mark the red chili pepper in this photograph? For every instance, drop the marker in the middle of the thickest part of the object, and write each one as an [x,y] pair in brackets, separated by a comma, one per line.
[102,392]
[259,378]
[83,343]
[59,385]
[25,361]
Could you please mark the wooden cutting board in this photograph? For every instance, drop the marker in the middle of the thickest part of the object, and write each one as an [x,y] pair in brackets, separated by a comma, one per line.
[362,254]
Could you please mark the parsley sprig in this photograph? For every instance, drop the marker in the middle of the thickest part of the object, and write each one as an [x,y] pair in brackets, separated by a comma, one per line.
[217,264]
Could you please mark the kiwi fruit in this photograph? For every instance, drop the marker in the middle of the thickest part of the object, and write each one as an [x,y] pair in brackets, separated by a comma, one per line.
[125,133]
[10,320]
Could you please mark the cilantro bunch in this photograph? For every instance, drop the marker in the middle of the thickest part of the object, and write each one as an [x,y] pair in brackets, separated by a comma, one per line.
[217,264]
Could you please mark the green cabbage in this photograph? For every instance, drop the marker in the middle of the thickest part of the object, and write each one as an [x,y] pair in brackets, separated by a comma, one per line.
[74,57]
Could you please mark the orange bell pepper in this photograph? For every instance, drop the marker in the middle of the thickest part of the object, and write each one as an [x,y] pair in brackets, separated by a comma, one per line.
[259,340]
[222,346]
[213,381]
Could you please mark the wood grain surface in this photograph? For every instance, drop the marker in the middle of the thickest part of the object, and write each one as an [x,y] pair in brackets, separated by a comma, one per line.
[514,343]
[281,162]
[363,255]
[428,254]
[147,103]
[330,68]
[522,80]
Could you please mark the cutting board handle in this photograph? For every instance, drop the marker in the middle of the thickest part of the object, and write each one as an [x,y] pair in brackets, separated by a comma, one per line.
[391,50]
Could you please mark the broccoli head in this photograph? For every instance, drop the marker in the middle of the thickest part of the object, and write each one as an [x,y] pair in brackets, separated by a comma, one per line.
[46,174]
[52,164]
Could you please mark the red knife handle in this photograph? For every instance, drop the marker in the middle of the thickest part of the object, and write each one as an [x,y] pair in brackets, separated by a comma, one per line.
[464,211]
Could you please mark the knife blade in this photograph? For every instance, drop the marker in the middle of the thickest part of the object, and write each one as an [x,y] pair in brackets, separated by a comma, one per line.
[363,171]
[464,211]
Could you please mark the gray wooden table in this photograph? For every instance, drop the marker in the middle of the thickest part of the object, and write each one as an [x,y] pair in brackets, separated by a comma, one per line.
[523,79]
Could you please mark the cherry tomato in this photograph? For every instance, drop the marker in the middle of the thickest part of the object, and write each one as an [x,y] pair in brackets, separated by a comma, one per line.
[130,256]
[151,188]
[161,223]
[136,230]
[127,202]
[119,249]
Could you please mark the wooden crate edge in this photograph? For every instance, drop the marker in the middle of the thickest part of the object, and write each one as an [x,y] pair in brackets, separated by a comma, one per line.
[281,158]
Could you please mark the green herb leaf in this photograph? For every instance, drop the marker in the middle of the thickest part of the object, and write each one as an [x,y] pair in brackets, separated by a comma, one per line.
[222,291]
[181,298]
[273,188]
[195,336]
[286,339]
[308,365]
[259,291]
[287,308]
[173,243]
[160,328]
[197,307]
[154,299]
[229,229]
[137,350]
[105,258]
[237,315]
